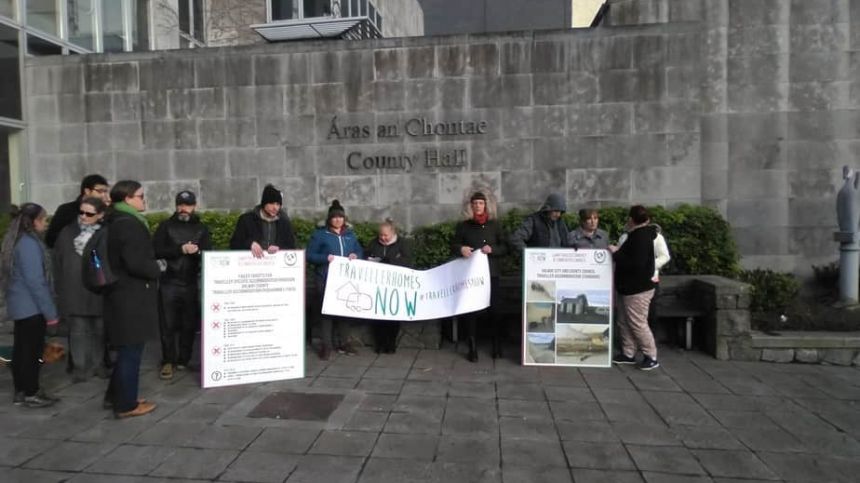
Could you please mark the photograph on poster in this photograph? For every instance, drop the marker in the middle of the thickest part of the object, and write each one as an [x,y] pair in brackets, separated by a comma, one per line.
[579,306]
[541,349]
[540,317]
[540,291]
[582,344]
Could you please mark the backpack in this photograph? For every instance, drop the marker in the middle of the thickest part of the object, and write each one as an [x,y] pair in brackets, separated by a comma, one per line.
[96,273]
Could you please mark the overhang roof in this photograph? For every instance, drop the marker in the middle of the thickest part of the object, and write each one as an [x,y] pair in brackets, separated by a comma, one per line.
[311,28]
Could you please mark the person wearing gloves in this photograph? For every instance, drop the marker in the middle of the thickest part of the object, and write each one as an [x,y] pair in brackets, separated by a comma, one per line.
[333,239]
[29,302]
[543,228]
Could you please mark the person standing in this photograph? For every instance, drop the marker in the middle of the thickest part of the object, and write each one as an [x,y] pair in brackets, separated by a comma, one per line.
[388,248]
[481,231]
[543,228]
[26,282]
[179,241]
[634,271]
[92,186]
[587,234]
[266,228]
[130,304]
[336,238]
[79,307]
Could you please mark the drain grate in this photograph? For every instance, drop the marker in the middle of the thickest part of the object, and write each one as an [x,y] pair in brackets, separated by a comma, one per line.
[296,405]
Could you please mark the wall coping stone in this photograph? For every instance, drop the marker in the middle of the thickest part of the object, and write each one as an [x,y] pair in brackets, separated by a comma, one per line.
[807,340]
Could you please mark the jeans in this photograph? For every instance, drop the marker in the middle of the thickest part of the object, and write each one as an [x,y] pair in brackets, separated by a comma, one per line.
[179,320]
[123,386]
[27,348]
[86,343]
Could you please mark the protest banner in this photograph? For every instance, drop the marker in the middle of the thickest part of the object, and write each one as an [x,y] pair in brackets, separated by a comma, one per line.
[567,307]
[253,317]
[371,290]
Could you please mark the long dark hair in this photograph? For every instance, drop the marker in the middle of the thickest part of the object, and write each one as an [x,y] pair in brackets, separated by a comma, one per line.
[23,222]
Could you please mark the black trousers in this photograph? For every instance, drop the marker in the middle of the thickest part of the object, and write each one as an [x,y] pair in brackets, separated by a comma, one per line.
[26,350]
[489,318]
[179,322]
[385,335]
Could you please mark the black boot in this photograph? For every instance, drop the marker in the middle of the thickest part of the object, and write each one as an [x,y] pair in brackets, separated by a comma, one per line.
[473,350]
[497,348]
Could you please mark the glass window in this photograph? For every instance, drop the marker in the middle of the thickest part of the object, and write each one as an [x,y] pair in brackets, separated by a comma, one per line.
[285,9]
[10,80]
[39,46]
[317,8]
[379,22]
[139,12]
[353,8]
[363,11]
[372,14]
[184,16]
[198,20]
[81,22]
[42,14]
[112,37]
[7,8]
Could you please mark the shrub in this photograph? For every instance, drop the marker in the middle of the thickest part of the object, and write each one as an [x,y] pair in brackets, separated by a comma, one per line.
[431,245]
[771,291]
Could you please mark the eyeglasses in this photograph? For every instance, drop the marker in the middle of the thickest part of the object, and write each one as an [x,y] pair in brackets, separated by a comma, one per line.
[101,191]
[87,213]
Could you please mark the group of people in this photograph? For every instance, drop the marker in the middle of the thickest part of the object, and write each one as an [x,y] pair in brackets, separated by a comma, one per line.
[156,291]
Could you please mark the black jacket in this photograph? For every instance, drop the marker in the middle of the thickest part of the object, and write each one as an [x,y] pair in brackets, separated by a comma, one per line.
[398,253]
[169,237]
[65,214]
[634,262]
[131,304]
[249,229]
[72,297]
[469,233]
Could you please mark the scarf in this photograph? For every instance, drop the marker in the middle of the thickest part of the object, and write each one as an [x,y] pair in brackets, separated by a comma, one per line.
[481,219]
[84,236]
[124,207]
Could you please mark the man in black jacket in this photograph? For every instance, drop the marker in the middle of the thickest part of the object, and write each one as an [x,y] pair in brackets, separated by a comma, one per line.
[543,228]
[92,185]
[266,228]
[179,241]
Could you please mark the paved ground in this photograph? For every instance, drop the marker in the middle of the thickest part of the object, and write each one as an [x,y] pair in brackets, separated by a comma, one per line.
[432,416]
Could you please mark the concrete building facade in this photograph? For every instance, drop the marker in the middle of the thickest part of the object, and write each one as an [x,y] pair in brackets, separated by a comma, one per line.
[748,106]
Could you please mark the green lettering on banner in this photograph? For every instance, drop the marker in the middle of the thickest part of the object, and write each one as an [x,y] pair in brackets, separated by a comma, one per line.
[381,303]
[410,307]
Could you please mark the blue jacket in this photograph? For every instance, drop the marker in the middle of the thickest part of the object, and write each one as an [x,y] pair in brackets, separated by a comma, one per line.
[324,243]
[29,290]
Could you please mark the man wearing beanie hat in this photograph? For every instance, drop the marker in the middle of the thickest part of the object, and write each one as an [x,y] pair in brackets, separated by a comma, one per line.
[266,228]
[179,240]
[543,228]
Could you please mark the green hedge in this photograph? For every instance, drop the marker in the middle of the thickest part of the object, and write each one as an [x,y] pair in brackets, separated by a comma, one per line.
[699,239]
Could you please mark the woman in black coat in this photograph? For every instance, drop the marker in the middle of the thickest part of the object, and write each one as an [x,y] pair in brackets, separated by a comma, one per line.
[131,304]
[391,249]
[480,230]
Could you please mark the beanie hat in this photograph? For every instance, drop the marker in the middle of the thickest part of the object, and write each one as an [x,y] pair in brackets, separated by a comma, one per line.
[335,210]
[271,195]
[186,198]
[478,195]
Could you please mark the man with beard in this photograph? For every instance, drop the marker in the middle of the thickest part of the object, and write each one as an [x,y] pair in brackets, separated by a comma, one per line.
[179,241]
[266,228]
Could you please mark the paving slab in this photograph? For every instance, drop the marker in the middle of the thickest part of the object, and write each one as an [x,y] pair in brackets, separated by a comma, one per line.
[432,416]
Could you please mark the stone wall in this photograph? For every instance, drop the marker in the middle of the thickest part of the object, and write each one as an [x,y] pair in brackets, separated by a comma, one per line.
[748,106]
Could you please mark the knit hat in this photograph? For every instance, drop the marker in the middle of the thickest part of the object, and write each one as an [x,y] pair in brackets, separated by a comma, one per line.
[335,210]
[478,195]
[271,195]
[186,198]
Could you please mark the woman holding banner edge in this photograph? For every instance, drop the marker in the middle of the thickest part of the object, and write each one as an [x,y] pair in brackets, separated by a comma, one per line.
[336,238]
[388,248]
[481,231]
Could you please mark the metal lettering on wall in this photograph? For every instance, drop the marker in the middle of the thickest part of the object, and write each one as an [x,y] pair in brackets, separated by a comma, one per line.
[418,128]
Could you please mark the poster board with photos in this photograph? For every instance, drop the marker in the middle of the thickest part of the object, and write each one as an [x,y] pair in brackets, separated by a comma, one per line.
[253,317]
[567,307]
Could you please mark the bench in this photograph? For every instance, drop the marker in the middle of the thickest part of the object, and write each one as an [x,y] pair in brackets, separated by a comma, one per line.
[676,301]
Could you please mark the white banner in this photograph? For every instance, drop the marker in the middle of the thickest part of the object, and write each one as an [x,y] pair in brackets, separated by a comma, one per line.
[371,290]
[253,317]
[567,307]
